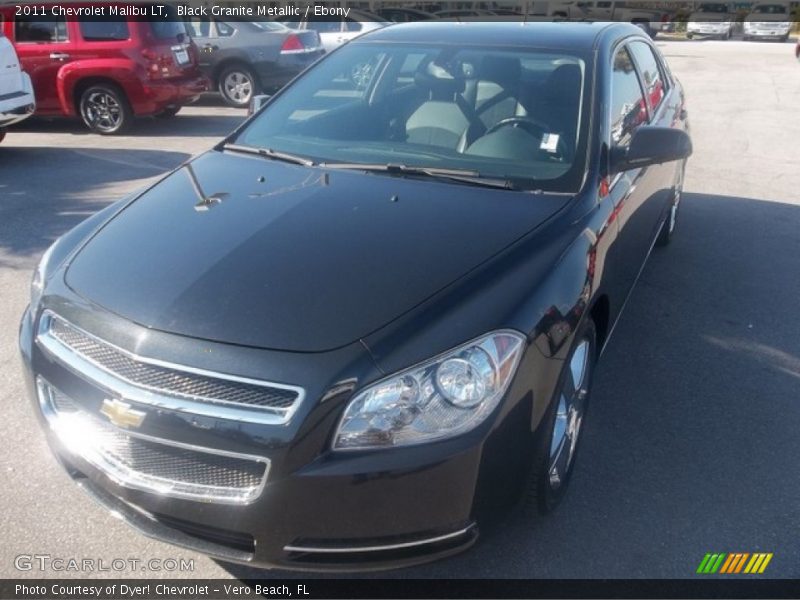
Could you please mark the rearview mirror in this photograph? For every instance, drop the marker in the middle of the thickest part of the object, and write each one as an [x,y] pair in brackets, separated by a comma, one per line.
[256,103]
[651,146]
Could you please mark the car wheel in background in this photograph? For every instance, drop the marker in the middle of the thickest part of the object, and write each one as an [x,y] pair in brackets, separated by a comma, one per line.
[689,36]
[168,112]
[237,84]
[557,440]
[105,109]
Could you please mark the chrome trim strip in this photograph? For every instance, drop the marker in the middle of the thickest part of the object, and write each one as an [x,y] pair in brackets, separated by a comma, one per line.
[85,367]
[426,541]
[127,478]
[147,525]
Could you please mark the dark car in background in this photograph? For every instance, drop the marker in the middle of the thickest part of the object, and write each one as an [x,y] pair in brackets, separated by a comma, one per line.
[105,70]
[369,318]
[401,14]
[244,58]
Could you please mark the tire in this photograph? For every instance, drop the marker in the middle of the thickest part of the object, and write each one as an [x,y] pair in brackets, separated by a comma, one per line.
[168,112]
[237,84]
[667,231]
[548,482]
[689,36]
[104,109]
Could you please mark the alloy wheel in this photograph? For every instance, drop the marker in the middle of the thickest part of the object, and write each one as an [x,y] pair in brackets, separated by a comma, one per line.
[569,415]
[238,87]
[103,111]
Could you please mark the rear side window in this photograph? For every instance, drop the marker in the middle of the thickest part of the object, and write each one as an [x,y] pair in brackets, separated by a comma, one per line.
[654,82]
[628,108]
[39,30]
[102,30]
[172,28]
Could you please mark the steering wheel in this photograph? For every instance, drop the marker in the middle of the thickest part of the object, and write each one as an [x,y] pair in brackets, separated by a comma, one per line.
[536,128]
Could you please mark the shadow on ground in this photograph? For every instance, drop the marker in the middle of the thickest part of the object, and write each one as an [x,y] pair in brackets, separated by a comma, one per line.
[62,187]
[184,125]
[678,456]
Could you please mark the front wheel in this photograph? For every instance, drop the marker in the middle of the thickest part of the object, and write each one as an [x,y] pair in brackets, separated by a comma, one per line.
[105,109]
[559,434]
[238,85]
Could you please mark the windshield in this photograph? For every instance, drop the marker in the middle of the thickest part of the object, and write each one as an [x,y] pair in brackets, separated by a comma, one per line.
[771,9]
[513,114]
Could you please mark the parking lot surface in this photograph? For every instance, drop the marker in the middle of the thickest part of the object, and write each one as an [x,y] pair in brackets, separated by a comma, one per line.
[692,441]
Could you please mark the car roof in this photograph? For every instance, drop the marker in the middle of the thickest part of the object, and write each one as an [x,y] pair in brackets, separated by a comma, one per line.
[504,31]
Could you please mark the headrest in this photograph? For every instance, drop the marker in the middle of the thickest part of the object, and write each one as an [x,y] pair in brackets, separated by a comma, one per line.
[503,70]
[439,80]
[565,78]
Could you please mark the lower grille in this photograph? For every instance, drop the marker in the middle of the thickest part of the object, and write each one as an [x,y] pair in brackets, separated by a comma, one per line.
[151,464]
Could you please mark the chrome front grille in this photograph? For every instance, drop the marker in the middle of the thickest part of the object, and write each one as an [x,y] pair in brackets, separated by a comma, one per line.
[151,464]
[166,385]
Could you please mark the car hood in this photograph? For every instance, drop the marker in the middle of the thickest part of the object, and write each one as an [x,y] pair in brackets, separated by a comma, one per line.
[262,253]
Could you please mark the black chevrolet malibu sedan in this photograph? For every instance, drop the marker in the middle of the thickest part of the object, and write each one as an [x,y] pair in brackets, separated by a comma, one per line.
[368,319]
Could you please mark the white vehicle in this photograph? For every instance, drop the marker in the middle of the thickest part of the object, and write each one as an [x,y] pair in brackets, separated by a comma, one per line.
[768,21]
[336,30]
[652,20]
[16,93]
[710,20]
[559,8]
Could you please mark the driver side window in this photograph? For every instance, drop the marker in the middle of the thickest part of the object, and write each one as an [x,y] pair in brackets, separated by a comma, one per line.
[628,106]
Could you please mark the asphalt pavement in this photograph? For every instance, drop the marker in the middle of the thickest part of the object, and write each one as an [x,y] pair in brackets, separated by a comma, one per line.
[693,437]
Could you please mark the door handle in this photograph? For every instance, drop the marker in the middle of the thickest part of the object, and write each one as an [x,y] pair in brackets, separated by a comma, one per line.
[210,48]
[59,56]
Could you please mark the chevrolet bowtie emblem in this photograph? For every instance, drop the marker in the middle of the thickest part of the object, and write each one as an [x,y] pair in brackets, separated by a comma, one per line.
[121,413]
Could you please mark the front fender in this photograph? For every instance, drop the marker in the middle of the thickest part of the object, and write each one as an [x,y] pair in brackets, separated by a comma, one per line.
[121,71]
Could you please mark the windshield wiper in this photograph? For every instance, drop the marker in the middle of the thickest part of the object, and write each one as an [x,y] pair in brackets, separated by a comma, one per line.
[461,175]
[270,153]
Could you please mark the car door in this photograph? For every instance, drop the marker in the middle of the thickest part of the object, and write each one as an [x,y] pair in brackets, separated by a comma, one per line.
[633,192]
[44,45]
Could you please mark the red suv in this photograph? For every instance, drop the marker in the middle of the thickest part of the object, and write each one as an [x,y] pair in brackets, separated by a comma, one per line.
[105,68]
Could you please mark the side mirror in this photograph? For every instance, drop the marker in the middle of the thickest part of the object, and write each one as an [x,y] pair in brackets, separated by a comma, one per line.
[256,102]
[651,146]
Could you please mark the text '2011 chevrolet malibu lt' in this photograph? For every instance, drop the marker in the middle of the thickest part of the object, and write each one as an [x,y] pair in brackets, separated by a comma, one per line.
[369,318]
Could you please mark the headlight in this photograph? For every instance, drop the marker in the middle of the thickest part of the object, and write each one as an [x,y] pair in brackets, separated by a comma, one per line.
[38,281]
[443,397]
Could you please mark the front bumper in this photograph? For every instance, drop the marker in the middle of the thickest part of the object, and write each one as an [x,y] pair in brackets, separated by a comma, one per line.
[767,32]
[707,29]
[318,510]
